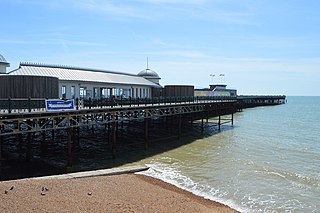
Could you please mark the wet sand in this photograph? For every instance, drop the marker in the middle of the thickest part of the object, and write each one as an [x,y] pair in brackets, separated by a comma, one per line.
[117,193]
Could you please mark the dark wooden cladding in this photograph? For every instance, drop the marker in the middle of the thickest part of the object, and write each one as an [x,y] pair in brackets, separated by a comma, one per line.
[17,86]
[178,91]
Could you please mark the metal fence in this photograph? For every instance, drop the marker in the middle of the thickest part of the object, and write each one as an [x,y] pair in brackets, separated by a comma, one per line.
[32,105]
[112,102]
[21,105]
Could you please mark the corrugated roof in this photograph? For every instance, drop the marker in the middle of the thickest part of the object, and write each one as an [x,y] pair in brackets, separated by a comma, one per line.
[81,74]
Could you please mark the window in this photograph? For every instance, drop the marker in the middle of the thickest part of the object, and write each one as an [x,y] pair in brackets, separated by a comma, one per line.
[63,91]
[83,92]
[73,92]
[96,92]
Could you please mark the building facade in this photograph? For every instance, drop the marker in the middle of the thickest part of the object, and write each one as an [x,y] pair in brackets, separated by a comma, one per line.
[76,82]
[216,90]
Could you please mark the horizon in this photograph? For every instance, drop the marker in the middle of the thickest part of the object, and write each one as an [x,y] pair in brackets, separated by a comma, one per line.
[260,48]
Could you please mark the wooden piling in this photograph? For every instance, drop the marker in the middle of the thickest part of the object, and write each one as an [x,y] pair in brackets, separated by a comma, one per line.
[29,143]
[108,130]
[1,141]
[180,125]
[232,119]
[69,150]
[92,126]
[44,142]
[52,134]
[146,133]
[114,136]
[202,117]
[28,151]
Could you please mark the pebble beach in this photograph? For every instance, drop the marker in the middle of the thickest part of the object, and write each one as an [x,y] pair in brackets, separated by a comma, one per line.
[116,193]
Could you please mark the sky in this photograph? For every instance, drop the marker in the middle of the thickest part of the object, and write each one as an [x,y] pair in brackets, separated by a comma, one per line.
[260,46]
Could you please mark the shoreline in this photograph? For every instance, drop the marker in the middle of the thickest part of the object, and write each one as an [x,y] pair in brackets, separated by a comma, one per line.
[115,193]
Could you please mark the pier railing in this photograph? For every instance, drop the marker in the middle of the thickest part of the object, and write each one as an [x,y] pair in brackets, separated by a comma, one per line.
[112,102]
[34,105]
[248,101]
[21,105]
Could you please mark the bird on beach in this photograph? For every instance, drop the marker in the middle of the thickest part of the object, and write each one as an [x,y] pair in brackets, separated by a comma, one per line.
[11,187]
[6,191]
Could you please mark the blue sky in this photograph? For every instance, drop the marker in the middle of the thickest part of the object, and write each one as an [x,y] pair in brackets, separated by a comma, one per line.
[262,46]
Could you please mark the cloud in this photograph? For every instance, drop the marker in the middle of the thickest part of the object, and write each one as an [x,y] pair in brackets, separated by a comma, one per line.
[184,54]
[112,8]
[212,11]
[196,2]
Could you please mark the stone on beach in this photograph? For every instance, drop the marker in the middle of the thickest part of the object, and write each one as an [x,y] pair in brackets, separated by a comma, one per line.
[116,193]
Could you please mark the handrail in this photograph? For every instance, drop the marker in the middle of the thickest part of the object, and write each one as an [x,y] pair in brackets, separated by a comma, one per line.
[24,105]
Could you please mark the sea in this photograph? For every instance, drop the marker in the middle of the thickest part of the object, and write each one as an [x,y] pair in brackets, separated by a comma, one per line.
[268,161]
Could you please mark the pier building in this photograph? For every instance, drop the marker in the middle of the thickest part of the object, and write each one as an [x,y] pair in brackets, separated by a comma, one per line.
[216,90]
[76,82]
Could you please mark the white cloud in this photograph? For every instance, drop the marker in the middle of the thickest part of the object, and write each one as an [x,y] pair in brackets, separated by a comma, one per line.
[112,8]
[197,2]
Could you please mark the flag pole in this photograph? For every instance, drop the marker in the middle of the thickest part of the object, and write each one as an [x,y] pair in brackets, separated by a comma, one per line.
[212,75]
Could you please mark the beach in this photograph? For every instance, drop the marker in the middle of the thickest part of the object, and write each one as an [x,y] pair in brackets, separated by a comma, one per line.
[116,193]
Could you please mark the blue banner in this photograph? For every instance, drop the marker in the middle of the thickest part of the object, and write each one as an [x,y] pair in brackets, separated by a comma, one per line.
[59,105]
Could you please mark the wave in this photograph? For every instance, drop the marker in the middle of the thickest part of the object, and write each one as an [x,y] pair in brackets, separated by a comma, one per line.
[172,176]
[303,180]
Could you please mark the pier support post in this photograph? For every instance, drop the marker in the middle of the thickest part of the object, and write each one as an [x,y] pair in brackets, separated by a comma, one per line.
[44,142]
[29,141]
[28,153]
[92,125]
[232,119]
[108,129]
[146,133]
[69,150]
[114,136]
[52,131]
[1,141]
[202,121]
[52,134]
[180,124]
[219,122]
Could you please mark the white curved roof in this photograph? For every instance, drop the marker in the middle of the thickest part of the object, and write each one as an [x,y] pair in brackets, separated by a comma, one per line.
[147,73]
[82,75]
[3,60]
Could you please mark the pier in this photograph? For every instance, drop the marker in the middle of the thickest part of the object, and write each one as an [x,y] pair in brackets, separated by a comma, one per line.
[249,101]
[55,107]
[28,122]
[23,123]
